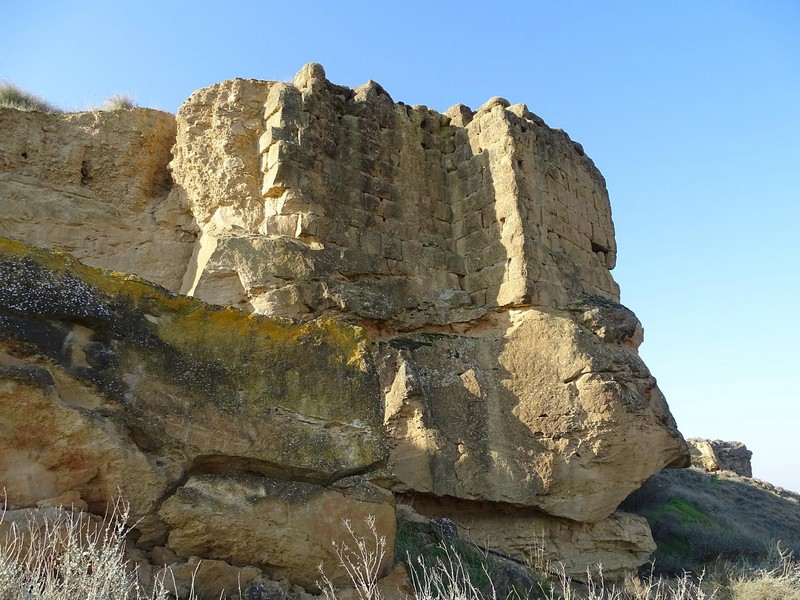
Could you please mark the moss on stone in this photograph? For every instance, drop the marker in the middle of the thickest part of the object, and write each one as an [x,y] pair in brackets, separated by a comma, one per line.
[307,394]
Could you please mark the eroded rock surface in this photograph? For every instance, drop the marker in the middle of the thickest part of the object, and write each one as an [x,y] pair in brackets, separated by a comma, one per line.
[718,455]
[111,385]
[620,542]
[455,331]
[539,413]
[283,527]
[96,185]
[483,225]
[398,213]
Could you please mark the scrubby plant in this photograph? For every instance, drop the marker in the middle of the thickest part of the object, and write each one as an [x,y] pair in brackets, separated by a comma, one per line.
[12,96]
[362,560]
[776,578]
[64,555]
[119,102]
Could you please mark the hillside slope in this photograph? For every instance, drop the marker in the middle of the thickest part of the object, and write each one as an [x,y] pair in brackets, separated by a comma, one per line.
[697,517]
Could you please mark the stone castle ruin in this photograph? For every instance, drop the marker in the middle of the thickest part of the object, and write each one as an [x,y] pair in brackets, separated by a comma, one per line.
[297,302]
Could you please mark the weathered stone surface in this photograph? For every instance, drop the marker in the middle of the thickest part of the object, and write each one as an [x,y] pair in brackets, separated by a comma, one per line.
[474,248]
[52,444]
[543,413]
[398,215]
[208,578]
[717,455]
[96,185]
[620,543]
[286,528]
[454,217]
[110,384]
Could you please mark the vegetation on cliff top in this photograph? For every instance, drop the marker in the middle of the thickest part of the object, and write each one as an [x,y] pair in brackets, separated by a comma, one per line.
[118,102]
[13,96]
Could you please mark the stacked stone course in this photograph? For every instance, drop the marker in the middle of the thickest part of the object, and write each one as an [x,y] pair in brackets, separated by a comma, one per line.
[466,211]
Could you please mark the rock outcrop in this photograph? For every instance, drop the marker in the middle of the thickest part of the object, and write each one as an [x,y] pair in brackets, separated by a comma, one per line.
[96,185]
[617,542]
[432,315]
[717,455]
[383,211]
[111,385]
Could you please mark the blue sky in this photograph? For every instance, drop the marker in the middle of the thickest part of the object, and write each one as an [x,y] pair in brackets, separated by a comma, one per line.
[690,109]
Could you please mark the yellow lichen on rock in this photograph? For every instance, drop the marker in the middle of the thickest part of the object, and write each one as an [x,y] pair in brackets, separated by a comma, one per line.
[118,368]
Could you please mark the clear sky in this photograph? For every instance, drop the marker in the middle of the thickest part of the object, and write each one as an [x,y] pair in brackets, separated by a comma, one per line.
[690,109]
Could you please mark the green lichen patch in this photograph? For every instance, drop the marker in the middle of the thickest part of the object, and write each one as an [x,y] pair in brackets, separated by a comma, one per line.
[216,380]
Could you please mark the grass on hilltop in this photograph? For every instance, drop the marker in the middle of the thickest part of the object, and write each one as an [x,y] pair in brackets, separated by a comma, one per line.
[699,519]
[12,96]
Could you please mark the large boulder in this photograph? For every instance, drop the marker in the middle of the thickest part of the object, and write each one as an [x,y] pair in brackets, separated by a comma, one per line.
[718,455]
[614,546]
[286,528]
[542,414]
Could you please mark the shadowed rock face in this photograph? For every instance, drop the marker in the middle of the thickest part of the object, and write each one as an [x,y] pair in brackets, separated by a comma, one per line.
[718,455]
[455,332]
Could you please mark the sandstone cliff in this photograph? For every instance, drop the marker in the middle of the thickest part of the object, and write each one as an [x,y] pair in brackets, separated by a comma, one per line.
[455,334]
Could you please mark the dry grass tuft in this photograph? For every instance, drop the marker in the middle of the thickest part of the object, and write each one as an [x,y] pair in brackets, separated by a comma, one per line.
[119,102]
[12,96]
[58,554]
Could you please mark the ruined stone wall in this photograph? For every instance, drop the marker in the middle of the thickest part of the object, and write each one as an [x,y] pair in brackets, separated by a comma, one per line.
[445,216]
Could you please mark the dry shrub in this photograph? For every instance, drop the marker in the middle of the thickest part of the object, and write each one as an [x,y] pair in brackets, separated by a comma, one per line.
[362,561]
[58,554]
[12,96]
[119,102]
[779,580]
